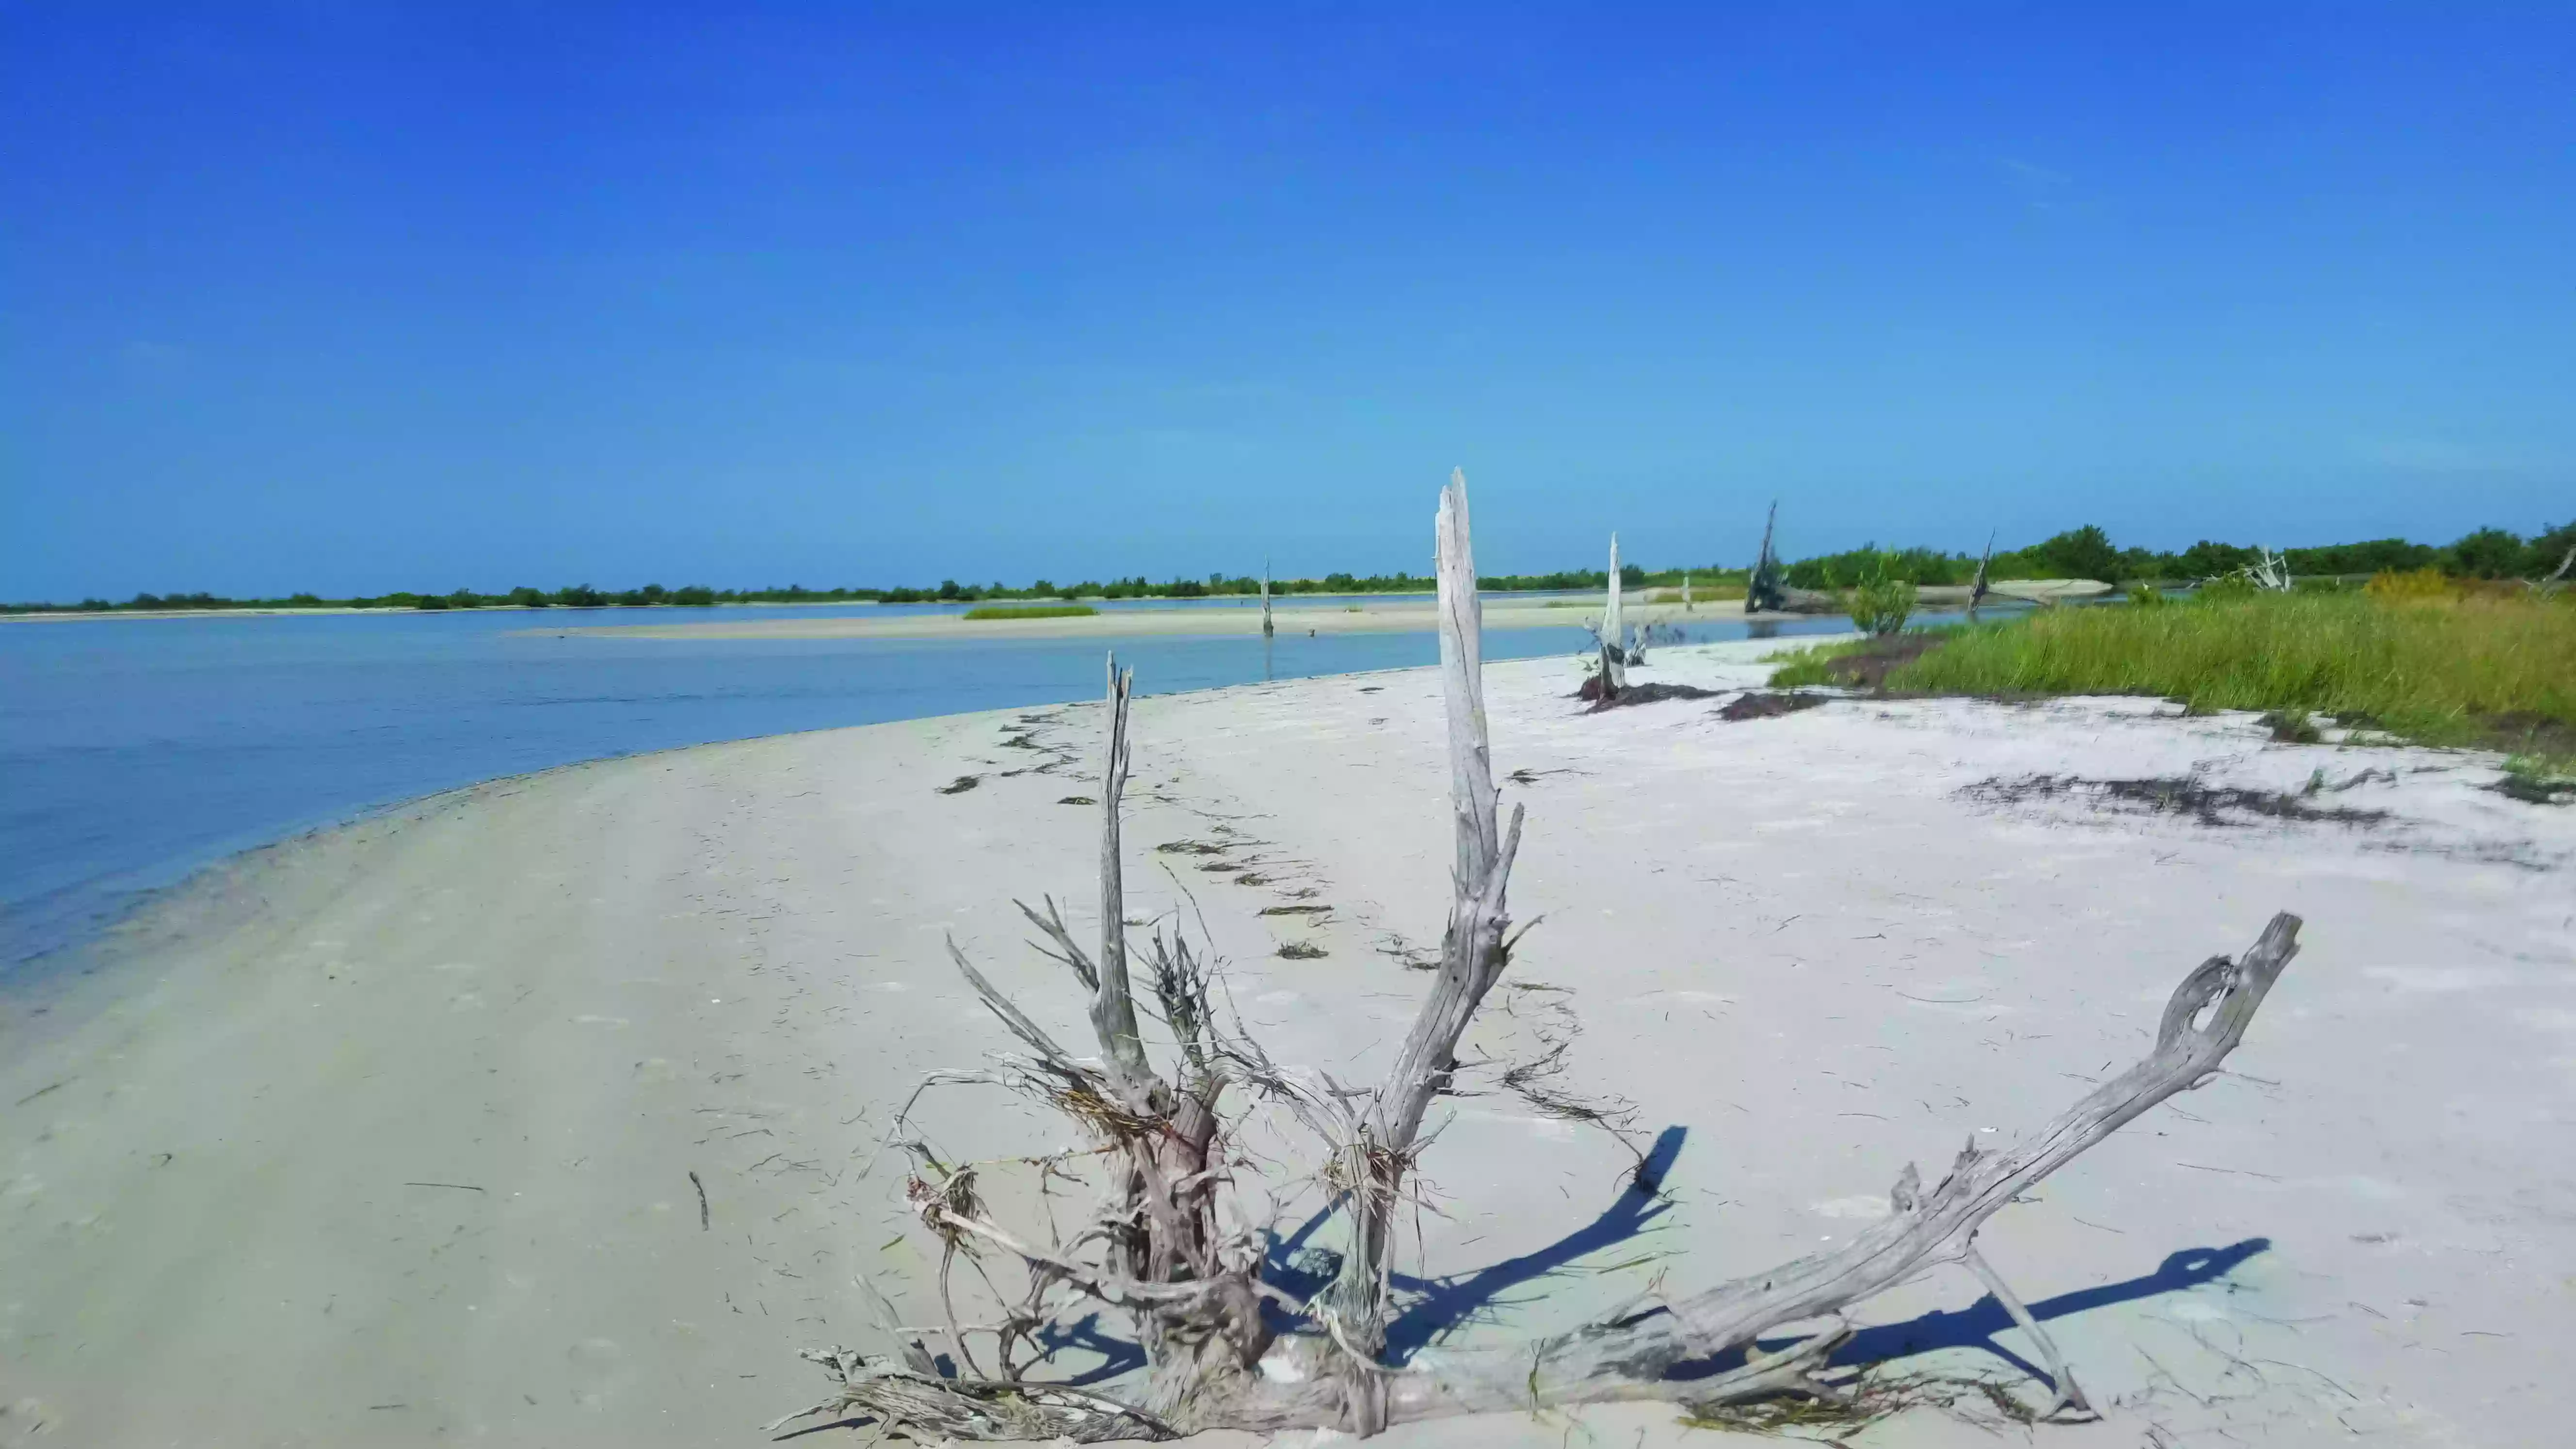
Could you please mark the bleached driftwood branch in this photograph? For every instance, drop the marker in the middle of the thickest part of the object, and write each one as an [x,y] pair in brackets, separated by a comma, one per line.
[1159,1248]
[1633,1357]
[2558,576]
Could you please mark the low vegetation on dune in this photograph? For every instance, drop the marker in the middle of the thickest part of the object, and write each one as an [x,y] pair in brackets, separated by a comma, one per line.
[1030,611]
[1702,591]
[2433,664]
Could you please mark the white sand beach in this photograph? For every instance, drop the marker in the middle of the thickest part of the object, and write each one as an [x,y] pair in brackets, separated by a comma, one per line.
[395,1134]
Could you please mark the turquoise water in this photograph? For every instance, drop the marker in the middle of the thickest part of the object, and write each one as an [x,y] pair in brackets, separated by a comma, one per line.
[133,751]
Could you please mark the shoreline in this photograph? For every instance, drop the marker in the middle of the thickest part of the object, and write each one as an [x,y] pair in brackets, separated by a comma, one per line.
[2024,589]
[31,981]
[1417,614]
[414,1112]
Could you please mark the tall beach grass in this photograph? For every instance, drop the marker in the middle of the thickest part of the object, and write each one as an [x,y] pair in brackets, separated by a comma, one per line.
[2437,668]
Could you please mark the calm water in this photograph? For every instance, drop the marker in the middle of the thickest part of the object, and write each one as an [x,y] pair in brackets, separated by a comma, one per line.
[134,751]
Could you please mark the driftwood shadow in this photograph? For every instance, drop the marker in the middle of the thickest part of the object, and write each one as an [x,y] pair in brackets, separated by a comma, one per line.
[1976,1325]
[1432,1307]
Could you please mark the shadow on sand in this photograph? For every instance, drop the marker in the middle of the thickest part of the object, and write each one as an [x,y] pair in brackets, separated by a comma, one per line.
[1428,1309]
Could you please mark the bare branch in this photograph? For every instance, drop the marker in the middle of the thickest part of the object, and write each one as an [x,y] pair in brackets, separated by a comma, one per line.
[1052,923]
[2070,1395]
[1012,1017]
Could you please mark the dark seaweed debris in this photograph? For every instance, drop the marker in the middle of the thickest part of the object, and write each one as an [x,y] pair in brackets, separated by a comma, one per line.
[1638,694]
[2216,805]
[1758,704]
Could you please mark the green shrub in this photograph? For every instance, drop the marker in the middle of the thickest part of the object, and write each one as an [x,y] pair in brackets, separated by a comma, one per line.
[2414,585]
[1881,606]
[1883,599]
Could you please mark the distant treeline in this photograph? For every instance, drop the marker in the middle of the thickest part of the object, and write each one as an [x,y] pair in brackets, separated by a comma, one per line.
[2088,553]
[2082,553]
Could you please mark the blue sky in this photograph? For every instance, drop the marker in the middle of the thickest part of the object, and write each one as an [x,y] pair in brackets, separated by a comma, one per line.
[362,297]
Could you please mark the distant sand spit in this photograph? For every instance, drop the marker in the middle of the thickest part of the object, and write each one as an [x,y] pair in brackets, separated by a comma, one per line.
[1399,614]
[395,1134]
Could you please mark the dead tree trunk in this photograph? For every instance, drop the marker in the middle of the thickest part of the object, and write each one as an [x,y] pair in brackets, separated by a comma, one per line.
[1686,598]
[1767,591]
[1473,952]
[1977,586]
[1161,1249]
[1265,598]
[1614,616]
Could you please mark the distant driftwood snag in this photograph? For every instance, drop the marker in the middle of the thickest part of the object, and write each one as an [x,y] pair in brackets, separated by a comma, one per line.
[1767,591]
[1171,1244]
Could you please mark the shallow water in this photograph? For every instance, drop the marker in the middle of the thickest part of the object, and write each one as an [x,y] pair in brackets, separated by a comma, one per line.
[133,751]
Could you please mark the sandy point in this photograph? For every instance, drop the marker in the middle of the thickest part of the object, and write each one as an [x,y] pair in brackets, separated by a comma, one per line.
[550,1111]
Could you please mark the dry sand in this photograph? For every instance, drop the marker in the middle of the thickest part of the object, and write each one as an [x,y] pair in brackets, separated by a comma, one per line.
[385,1135]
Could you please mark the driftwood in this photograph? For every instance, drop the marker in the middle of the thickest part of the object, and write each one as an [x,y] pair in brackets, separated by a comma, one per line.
[2269,572]
[1265,598]
[2558,576]
[1977,586]
[1170,1246]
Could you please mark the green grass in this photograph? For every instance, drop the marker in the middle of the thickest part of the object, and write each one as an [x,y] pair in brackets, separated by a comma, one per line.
[2494,671]
[1031,611]
[1804,668]
[1810,665]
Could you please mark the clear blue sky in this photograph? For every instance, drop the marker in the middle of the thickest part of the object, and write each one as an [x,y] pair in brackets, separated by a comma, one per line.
[372,296]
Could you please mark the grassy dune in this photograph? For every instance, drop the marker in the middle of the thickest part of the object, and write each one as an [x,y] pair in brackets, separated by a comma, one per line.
[2491,671]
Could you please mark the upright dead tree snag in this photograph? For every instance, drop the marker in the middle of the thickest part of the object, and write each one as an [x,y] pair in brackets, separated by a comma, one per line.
[1614,611]
[1265,598]
[1473,951]
[1767,592]
[1977,585]
[1611,637]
